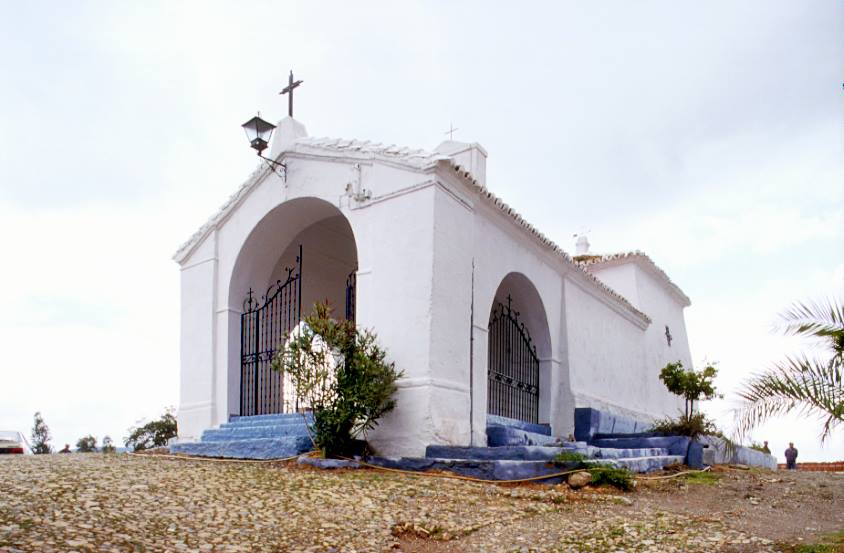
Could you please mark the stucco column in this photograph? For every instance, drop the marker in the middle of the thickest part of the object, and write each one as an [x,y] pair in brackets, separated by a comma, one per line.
[480,353]
[196,390]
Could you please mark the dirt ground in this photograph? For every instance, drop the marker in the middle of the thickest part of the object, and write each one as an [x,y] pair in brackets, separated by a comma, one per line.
[788,509]
[118,502]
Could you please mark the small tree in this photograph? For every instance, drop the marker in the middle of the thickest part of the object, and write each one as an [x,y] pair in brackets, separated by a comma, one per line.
[40,436]
[87,444]
[691,385]
[108,445]
[153,434]
[342,374]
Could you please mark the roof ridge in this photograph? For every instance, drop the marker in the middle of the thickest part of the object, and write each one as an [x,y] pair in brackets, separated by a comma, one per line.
[418,159]
[586,261]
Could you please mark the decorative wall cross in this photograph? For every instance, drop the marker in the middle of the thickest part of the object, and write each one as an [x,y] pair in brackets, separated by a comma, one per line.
[668,336]
[291,84]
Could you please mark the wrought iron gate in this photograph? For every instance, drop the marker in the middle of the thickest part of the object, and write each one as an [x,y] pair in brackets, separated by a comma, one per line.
[351,295]
[513,375]
[264,325]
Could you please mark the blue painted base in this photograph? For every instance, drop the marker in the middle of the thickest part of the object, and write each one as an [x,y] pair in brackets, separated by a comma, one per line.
[258,437]
[497,435]
[262,448]
[475,468]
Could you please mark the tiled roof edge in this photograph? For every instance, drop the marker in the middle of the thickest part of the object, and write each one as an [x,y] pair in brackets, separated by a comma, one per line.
[644,259]
[417,159]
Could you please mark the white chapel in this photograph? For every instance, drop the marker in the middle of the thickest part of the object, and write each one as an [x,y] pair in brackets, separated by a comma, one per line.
[483,313]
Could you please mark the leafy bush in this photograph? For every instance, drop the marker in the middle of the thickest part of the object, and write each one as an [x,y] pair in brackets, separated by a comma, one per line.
[570,457]
[87,444]
[108,445]
[692,426]
[604,475]
[340,373]
[40,436]
[152,434]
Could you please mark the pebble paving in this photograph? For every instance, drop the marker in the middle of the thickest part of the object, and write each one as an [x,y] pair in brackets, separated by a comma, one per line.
[119,502]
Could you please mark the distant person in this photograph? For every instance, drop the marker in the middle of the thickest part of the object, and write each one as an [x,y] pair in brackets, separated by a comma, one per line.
[66,449]
[791,457]
[765,448]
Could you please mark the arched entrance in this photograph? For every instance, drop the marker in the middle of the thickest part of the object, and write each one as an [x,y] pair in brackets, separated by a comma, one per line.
[300,253]
[518,352]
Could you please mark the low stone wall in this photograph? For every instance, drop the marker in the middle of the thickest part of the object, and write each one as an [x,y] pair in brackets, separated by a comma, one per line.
[591,423]
[715,451]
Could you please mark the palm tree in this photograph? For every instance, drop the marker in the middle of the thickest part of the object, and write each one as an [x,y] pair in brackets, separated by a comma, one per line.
[810,385]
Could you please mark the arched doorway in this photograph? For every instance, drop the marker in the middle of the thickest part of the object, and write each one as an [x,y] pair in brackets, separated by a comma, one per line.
[300,253]
[518,355]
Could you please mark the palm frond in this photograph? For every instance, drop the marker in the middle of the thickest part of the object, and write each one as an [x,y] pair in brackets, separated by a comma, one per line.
[799,384]
[815,319]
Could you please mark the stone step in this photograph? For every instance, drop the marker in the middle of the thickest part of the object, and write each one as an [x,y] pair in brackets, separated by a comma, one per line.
[618,453]
[676,445]
[645,464]
[264,448]
[252,432]
[497,420]
[507,435]
[262,420]
[513,453]
[490,469]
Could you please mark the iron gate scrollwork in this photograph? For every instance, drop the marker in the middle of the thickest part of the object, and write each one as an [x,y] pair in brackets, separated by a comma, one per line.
[264,326]
[513,377]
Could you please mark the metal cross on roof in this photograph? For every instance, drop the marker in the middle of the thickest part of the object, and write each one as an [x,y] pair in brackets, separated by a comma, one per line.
[450,131]
[291,84]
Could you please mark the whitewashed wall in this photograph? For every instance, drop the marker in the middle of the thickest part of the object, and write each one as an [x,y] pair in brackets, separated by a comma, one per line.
[645,291]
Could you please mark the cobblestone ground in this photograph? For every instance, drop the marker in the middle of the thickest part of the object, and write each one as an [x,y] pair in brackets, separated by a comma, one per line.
[97,502]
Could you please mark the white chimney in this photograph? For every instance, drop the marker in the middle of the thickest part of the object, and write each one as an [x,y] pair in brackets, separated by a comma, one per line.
[471,157]
[286,133]
[582,245]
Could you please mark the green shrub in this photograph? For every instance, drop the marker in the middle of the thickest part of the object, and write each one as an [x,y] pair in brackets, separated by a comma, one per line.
[692,426]
[570,457]
[40,436]
[108,445]
[342,374]
[610,476]
[87,444]
[152,434]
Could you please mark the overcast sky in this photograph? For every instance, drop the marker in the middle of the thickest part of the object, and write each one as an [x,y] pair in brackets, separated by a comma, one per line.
[708,134]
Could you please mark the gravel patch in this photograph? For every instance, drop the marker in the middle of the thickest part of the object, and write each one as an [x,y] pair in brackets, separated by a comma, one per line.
[97,502]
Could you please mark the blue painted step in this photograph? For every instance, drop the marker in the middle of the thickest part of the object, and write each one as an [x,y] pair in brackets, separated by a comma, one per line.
[261,420]
[645,464]
[496,420]
[257,437]
[263,448]
[619,453]
[251,432]
[485,469]
[511,453]
[497,436]
[676,445]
